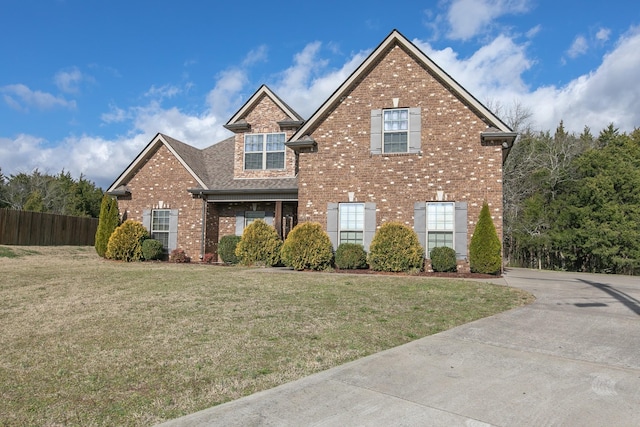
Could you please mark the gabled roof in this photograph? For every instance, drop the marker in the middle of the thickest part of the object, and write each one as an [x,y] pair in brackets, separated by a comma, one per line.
[237,122]
[392,39]
[190,157]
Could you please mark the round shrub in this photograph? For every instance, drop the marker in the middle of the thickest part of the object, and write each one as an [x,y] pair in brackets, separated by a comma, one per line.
[227,249]
[179,256]
[259,245]
[395,247]
[152,249]
[351,256]
[443,259]
[307,247]
[485,247]
[125,243]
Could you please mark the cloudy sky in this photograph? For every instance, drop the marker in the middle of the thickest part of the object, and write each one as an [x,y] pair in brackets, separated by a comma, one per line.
[86,84]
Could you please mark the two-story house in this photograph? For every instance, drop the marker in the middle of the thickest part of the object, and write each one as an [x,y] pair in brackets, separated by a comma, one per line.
[399,140]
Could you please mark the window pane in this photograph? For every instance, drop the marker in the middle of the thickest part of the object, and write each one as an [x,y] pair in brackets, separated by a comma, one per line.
[440,216]
[160,220]
[275,142]
[439,239]
[253,143]
[352,216]
[275,160]
[352,237]
[395,142]
[253,161]
[163,237]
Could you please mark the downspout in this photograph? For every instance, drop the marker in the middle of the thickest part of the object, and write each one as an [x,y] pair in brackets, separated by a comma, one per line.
[204,225]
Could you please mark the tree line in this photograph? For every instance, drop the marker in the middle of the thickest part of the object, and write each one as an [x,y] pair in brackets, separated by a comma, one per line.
[572,201]
[59,194]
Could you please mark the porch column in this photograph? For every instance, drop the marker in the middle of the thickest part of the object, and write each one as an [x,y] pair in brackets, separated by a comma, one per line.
[277,221]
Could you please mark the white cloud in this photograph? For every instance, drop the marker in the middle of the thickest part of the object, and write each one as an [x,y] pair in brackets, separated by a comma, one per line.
[165,91]
[468,18]
[20,97]
[578,47]
[603,34]
[308,82]
[69,81]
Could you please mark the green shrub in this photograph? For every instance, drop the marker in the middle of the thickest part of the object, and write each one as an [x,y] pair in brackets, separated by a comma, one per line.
[351,256]
[443,259]
[107,222]
[125,243]
[179,256]
[307,247]
[227,249]
[259,245]
[395,247]
[152,249]
[485,247]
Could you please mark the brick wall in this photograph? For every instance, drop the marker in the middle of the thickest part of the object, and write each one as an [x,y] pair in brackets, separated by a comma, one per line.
[263,118]
[452,158]
[162,182]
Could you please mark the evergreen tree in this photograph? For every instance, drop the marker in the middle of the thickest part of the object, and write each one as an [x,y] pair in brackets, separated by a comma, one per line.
[485,247]
[108,221]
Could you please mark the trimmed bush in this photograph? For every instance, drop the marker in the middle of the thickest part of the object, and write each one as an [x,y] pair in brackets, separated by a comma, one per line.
[259,245]
[179,256]
[227,249]
[107,222]
[125,243]
[351,256]
[443,259]
[152,249]
[485,247]
[395,247]
[307,247]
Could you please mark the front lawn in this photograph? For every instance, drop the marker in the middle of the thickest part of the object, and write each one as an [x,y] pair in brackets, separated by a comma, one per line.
[84,341]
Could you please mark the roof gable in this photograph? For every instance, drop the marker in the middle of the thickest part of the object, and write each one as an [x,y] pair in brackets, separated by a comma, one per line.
[190,157]
[396,38]
[237,122]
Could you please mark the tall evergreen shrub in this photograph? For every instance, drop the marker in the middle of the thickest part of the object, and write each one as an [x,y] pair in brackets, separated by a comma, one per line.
[307,247]
[259,245]
[107,222]
[485,247]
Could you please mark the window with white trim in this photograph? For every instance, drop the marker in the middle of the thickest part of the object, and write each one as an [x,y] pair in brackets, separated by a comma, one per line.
[440,225]
[264,151]
[395,130]
[160,226]
[351,223]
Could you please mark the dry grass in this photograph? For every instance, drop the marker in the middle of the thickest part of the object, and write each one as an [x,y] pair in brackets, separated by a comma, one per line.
[85,341]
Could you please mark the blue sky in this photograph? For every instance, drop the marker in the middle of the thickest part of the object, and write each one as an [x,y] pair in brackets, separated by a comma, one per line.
[86,84]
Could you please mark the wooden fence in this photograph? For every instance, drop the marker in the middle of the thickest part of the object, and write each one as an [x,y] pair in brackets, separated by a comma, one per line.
[44,229]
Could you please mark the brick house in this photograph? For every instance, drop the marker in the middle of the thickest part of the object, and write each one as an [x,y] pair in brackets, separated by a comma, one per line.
[399,140]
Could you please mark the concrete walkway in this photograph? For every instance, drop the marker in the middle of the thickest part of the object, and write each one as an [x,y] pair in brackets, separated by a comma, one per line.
[572,358]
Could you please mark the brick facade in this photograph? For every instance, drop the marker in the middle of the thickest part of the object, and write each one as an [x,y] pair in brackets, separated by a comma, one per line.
[161,182]
[452,158]
[264,118]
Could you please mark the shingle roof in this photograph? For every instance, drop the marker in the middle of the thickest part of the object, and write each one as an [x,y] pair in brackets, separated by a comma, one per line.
[219,159]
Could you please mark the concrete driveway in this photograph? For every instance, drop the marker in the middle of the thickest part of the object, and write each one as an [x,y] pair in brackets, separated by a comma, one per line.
[572,358]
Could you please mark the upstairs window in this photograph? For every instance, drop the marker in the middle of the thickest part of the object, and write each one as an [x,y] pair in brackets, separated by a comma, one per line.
[395,130]
[264,151]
